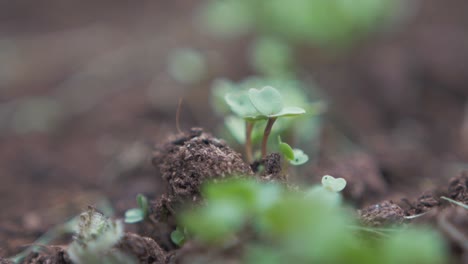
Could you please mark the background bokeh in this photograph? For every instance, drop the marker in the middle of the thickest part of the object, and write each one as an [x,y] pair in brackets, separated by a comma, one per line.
[88,87]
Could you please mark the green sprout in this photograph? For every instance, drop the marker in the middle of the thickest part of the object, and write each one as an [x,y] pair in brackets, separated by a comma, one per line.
[329,192]
[254,105]
[135,215]
[178,236]
[294,156]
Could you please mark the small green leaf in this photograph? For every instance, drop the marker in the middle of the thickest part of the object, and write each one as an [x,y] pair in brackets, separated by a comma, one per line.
[290,111]
[240,104]
[332,184]
[178,237]
[134,215]
[267,101]
[299,157]
[285,149]
[142,202]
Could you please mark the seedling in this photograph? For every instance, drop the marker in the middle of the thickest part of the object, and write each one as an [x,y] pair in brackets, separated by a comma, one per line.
[264,104]
[294,156]
[330,190]
[135,215]
[95,238]
[178,236]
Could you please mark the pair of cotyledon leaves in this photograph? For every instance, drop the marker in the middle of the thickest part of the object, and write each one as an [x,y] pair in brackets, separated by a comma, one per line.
[295,156]
[260,104]
[135,215]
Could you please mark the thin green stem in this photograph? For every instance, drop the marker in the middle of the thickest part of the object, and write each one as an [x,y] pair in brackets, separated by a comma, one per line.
[266,134]
[248,141]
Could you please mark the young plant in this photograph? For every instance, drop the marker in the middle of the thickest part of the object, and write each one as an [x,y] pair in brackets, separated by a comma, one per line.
[264,104]
[329,192]
[294,156]
[178,236]
[95,238]
[135,215]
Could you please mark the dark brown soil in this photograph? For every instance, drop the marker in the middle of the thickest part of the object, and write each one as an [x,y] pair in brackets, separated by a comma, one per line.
[48,255]
[192,158]
[145,249]
[383,214]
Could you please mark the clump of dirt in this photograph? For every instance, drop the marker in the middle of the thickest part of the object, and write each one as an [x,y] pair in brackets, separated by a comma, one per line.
[382,214]
[458,188]
[145,249]
[430,209]
[48,254]
[191,158]
[185,162]
[273,170]
[424,203]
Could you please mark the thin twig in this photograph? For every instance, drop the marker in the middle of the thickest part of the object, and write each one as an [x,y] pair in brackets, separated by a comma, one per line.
[455,202]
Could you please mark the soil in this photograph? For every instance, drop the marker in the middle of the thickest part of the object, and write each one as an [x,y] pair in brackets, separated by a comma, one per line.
[399,98]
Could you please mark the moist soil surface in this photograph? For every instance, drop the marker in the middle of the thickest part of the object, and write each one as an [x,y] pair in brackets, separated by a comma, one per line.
[400,99]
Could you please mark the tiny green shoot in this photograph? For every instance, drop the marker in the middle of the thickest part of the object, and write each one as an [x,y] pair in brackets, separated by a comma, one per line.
[135,215]
[329,192]
[294,156]
[178,236]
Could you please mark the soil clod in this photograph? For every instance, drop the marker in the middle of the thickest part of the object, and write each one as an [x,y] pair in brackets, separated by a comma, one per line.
[273,169]
[48,255]
[190,159]
[145,249]
[458,188]
[382,214]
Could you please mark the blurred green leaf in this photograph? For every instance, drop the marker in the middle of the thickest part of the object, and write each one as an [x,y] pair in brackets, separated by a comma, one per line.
[178,237]
[267,101]
[333,184]
[134,215]
[142,202]
[187,66]
[240,104]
